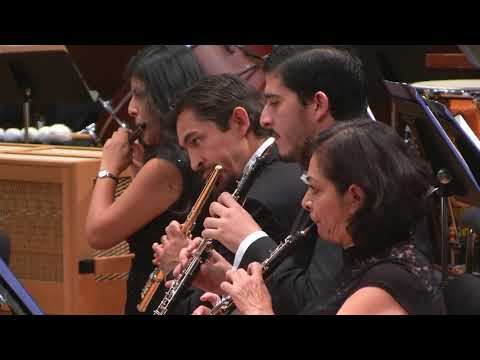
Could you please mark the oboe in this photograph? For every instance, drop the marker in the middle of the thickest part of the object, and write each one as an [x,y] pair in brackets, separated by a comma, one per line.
[202,252]
[226,304]
[137,133]
[157,276]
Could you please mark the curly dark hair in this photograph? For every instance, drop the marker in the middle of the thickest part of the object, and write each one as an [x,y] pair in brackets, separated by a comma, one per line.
[395,180]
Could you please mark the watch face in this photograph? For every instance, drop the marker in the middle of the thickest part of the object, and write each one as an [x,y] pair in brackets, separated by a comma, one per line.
[103,173]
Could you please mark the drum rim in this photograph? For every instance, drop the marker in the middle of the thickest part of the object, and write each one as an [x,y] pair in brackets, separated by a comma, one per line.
[443,85]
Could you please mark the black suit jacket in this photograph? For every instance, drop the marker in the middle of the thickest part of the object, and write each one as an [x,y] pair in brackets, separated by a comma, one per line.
[273,200]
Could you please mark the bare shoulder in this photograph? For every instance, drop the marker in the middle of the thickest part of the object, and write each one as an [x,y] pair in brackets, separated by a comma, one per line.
[371,300]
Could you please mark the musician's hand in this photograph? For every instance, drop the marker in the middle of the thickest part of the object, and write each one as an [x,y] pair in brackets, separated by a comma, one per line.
[166,254]
[117,152]
[212,273]
[138,153]
[248,290]
[211,298]
[185,255]
[229,222]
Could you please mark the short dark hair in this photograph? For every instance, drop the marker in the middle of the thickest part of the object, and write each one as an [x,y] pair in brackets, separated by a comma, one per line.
[215,97]
[282,52]
[165,70]
[395,180]
[338,73]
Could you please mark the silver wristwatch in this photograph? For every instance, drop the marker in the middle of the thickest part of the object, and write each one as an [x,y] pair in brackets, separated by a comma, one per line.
[102,174]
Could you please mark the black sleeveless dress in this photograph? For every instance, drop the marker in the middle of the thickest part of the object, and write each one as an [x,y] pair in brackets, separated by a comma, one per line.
[141,242]
[402,271]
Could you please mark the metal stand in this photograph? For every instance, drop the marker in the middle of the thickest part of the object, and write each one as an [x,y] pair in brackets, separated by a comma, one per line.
[8,300]
[44,73]
[444,178]
[470,252]
[14,294]
[107,106]
[27,113]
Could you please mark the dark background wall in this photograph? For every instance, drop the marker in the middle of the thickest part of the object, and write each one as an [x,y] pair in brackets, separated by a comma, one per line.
[102,67]
[402,63]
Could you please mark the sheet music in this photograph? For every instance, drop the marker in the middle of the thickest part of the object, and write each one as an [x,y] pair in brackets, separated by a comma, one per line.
[468,131]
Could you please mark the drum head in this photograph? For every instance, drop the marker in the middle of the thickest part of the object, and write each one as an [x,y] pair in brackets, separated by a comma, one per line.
[464,84]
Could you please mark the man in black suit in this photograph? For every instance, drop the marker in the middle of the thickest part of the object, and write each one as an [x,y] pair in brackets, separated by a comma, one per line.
[218,122]
[305,94]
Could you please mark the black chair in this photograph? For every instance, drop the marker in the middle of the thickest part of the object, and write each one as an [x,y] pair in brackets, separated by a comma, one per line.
[462,295]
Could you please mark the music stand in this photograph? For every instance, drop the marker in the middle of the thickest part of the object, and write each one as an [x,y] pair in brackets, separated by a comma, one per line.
[454,174]
[472,52]
[14,294]
[43,74]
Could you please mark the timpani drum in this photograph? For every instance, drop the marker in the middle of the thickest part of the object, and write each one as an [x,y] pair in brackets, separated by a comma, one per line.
[459,96]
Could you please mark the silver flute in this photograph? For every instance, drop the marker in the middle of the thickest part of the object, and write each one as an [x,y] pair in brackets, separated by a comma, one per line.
[203,251]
